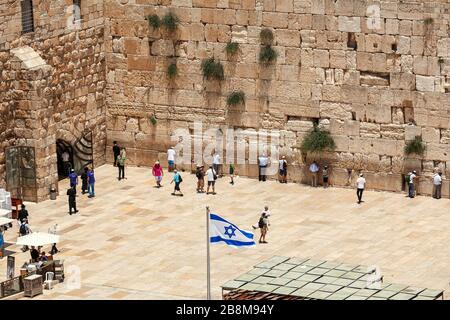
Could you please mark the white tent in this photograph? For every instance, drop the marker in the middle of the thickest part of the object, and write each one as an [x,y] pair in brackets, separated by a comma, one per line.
[4,221]
[4,212]
[37,239]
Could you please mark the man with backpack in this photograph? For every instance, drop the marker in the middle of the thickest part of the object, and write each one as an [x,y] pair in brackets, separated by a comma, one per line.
[263,224]
[178,180]
[23,214]
[24,229]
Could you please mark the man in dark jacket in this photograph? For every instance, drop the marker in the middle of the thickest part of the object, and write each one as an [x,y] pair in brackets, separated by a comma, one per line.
[23,214]
[84,181]
[116,152]
[72,193]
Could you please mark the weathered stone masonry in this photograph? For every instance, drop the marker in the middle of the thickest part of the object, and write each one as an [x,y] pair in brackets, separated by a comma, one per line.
[373,86]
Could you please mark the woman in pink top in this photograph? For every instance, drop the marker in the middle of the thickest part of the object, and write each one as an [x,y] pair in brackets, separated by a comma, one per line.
[158,173]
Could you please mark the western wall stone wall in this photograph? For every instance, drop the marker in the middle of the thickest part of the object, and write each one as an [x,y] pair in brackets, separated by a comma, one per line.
[375,84]
[53,81]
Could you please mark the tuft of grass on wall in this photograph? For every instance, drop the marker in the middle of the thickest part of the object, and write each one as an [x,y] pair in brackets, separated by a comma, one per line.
[267,55]
[172,70]
[154,21]
[212,69]
[232,48]
[317,140]
[415,146]
[170,21]
[266,36]
[236,98]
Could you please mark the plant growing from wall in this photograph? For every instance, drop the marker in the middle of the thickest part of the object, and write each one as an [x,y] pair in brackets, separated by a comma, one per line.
[212,69]
[428,21]
[415,146]
[267,55]
[235,98]
[154,21]
[317,140]
[172,70]
[232,48]
[170,21]
[153,120]
[266,37]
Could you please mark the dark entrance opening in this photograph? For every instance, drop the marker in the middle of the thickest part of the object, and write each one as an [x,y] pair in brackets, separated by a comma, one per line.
[64,152]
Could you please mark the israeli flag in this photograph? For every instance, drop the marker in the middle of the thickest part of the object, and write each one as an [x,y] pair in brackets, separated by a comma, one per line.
[220,230]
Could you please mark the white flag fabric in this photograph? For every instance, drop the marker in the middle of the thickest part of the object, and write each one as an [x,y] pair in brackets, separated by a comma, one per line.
[220,230]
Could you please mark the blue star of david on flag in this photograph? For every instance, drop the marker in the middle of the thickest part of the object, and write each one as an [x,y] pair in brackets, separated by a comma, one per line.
[221,230]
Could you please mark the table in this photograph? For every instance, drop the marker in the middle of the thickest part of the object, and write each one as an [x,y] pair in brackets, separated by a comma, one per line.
[32,285]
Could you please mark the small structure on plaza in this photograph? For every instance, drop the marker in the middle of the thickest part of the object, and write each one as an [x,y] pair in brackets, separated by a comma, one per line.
[284,278]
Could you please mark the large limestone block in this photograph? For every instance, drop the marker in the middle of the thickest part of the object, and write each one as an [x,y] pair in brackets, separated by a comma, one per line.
[288,38]
[425,84]
[402,80]
[412,131]
[431,135]
[284,5]
[335,110]
[349,24]
[321,58]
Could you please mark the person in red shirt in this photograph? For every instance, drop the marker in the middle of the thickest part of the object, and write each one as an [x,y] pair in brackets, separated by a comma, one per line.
[158,173]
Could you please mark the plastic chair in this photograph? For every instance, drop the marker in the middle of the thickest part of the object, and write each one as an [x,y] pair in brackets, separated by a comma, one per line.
[49,276]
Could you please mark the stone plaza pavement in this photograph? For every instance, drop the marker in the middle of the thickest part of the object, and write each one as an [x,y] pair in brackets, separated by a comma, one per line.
[134,241]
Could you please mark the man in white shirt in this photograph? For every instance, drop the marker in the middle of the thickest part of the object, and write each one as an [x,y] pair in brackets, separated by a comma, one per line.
[360,185]
[66,162]
[437,184]
[212,176]
[314,169]
[171,158]
[412,177]
[263,161]
[216,163]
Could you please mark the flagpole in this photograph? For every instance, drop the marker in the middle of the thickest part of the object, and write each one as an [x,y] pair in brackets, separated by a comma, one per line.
[208,276]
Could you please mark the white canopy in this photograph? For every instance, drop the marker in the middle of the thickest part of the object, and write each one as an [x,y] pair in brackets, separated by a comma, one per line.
[37,239]
[4,212]
[4,221]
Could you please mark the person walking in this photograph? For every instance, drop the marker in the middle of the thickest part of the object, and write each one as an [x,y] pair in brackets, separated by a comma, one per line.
[72,194]
[171,154]
[360,185]
[212,177]
[158,173]
[437,184]
[263,224]
[84,180]
[412,178]
[231,174]
[23,214]
[263,162]
[91,183]
[24,229]
[283,169]
[314,169]
[200,174]
[217,163]
[177,180]
[121,163]
[73,178]
[325,174]
[116,152]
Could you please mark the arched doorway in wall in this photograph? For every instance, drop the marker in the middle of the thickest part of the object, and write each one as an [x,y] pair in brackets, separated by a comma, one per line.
[75,156]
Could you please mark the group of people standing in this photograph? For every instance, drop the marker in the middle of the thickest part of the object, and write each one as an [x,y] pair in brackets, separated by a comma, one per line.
[87,186]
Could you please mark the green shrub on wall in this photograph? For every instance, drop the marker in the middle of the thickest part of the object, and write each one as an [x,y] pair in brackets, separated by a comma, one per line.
[154,21]
[212,69]
[266,36]
[317,140]
[172,70]
[232,48]
[415,146]
[267,55]
[236,98]
[170,21]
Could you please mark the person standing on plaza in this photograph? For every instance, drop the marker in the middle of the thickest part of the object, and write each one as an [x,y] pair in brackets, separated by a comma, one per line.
[263,224]
[217,163]
[200,174]
[23,214]
[231,174]
[158,173]
[84,180]
[73,178]
[171,154]
[212,177]
[116,152]
[2,242]
[325,174]
[360,185]
[91,183]
[24,229]
[263,162]
[283,169]
[121,163]
[72,194]
[412,178]
[314,169]
[177,179]
[437,184]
